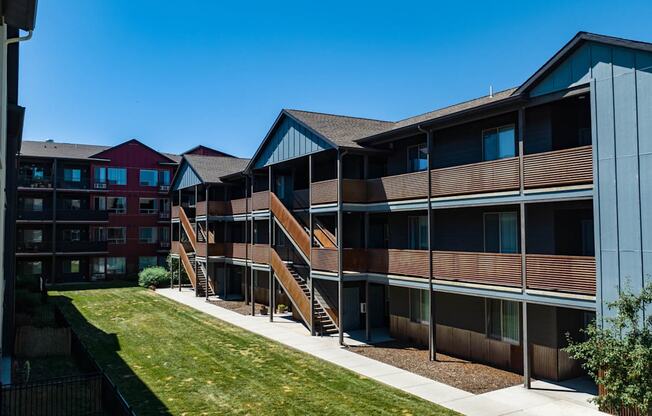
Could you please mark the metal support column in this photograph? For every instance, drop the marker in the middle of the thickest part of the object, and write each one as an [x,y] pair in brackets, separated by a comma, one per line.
[522,212]
[271,247]
[248,215]
[312,236]
[252,283]
[180,243]
[340,239]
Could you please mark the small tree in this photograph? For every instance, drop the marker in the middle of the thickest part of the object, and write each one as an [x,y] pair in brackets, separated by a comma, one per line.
[618,354]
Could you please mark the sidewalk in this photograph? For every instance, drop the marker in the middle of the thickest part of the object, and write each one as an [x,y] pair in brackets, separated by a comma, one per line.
[543,399]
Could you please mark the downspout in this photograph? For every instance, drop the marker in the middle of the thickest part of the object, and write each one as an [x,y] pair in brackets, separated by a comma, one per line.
[432,324]
[340,242]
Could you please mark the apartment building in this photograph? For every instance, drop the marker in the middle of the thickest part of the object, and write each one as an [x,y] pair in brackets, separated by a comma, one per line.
[487,230]
[89,212]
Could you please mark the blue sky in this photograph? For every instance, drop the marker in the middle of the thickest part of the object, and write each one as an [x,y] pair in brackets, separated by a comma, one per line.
[218,73]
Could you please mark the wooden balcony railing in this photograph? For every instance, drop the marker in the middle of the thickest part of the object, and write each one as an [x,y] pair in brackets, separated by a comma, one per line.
[491,176]
[573,274]
[260,200]
[235,250]
[175,211]
[187,227]
[393,188]
[237,206]
[558,168]
[324,192]
[260,253]
[485,268]
[210,249]
[210,208]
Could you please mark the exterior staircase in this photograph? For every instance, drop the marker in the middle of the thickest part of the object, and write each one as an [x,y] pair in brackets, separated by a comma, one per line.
[292,282]
[197,280]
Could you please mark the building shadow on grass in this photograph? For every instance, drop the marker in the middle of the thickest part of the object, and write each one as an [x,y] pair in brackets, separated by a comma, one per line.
[104,348]
[109,284]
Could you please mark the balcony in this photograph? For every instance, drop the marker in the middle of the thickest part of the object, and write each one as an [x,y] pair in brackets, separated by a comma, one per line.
[558,168]
[260,200]
[81,246]
[164,245]
[81,184]
[236,250]
[565,167]
[82,215]
[259,253]
[164,189]
[33,247]
[237,206]
[569,274]
[164,215]
[26,215]
[210,208]
[28,181]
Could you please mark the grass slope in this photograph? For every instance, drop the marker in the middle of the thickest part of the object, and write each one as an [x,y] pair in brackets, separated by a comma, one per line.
[170,359]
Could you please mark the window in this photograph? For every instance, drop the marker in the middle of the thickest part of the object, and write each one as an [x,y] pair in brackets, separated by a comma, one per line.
[99,174]
[147,206]
[116,235]
[99,203]
[117,204]
[418,232]
[503,320]
[164,205]
[98,268]
[37,172]
[71,266]
[419,306]
[164,234]
[33,236]
[148,177]
[499,143]
[71,204]
[34,204]
[72,175]
[147,235]
[146,261]
[417,157]
[32,268]
[500,232]
[117,176]
[115,265]
[99,234]
[164,177]
[71,235]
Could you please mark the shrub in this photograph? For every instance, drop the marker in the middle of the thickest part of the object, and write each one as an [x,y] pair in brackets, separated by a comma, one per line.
[155,276]
[618,354]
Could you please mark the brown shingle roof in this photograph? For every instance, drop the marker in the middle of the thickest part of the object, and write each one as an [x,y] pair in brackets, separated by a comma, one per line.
[341,130]
[211,169]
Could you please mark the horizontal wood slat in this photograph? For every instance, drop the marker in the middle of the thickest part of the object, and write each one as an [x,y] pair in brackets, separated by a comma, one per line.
[391,188]
[560,167]
[486,268]
[324,192]
[491,176]
[290,224]
[573,274]
[211,249]
[235,250]
[394,261]
[237,206]
[210,208]
[292,288]
[260,253]
[260,200]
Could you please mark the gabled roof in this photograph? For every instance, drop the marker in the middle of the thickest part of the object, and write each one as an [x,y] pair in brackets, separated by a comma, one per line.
[341,131]
[206,151]
[211,169]
[130,141]
[571,46]
[52,149]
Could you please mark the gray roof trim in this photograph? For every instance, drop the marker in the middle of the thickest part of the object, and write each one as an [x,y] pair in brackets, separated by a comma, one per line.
[571,46]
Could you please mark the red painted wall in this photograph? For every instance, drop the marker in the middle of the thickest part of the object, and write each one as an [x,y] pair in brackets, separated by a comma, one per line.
[135,156]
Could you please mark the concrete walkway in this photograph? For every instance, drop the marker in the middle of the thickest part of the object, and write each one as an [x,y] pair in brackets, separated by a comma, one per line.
[543,399]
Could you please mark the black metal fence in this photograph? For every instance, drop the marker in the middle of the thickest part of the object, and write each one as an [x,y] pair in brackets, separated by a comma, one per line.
[89,394]
[74,396]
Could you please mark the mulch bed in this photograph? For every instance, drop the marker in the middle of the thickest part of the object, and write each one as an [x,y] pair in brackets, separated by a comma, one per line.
[238,306]
[465,375]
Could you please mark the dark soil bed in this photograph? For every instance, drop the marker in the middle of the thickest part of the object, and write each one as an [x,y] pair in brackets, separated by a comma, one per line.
[465,375]
[238,306]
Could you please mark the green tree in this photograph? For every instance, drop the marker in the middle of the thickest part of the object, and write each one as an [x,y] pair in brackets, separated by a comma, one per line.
[618,354]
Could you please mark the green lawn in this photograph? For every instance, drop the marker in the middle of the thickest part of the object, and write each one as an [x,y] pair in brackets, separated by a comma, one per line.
[170,359]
